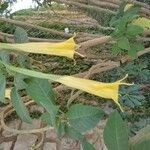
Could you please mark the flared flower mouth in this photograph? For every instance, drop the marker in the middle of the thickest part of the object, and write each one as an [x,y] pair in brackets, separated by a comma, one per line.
[66,48]
[104,90]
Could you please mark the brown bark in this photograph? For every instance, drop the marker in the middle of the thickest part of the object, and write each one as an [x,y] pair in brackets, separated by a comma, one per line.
[23,24]
[84,6]
[104,4]
[10,38]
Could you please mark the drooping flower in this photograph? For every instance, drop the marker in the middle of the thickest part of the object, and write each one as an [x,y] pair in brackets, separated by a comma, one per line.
[66,48]
[104,90]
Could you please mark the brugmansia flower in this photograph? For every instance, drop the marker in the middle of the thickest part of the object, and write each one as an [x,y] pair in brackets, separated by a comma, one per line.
[105,90]
[66,48]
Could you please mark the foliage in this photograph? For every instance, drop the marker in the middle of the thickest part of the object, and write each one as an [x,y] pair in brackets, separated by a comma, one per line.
[131,96]
[125,32]
[116,135]
[72,123]
[79,118]
[5,7]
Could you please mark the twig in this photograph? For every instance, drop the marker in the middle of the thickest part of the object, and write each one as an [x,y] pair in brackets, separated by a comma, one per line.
[10,38]
[51,31]
[84,6]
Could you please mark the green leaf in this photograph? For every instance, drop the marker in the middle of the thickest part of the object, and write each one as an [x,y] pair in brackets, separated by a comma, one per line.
[19,81]
[135,47]
[2,87]
[19,106]
[46,118]
[132,13]
[141,141]
[41,92]
[87,146]
[123,43]
[42,89]
[20,35]
[115,49]
[132,52]
[5,56]
[144,145]
[138,46]
[82,117]
[76,135]
[115,133]
[119,14]
[121,25]
[131,96]
[134,30]
[61,128]
[73,133]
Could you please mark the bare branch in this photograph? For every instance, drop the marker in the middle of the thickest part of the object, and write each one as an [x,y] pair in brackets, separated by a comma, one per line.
[23,24]
[84,6]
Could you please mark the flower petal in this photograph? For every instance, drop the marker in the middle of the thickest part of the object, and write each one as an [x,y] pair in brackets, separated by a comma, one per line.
[105,90]
[66,48]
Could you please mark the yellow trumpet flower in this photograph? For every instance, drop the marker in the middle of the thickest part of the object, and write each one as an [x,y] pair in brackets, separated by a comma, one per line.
[105,90]
[66,48]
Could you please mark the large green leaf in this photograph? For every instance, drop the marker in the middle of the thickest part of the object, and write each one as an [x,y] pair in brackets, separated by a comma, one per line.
[76,135]
[41,92]
[83,117]
[135,47]
[45,117]
[133,30]
[142,140]
[19,106]
[115,133]
[123,43]
[19,81]
[2,87]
